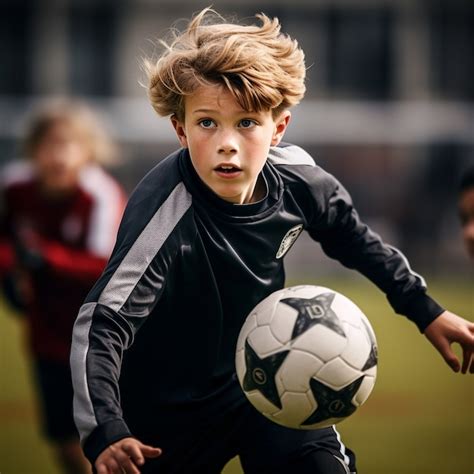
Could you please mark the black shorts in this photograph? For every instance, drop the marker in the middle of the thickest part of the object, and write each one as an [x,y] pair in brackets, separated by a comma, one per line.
[263,447]
[55,396]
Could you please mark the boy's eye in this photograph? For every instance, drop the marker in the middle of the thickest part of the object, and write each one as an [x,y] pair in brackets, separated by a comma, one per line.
[207,123]
[247,123]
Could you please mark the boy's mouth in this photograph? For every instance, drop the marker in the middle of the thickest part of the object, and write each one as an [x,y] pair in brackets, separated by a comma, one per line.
[227,169]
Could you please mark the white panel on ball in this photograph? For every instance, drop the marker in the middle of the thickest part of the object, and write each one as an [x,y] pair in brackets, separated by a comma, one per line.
[296,408]
[347,310]
[263,341]
[365,390]
[262,404]
[336,374]
[323,342]
[283,322]
[298,369]
[358,347]
[249,325]
[265,311]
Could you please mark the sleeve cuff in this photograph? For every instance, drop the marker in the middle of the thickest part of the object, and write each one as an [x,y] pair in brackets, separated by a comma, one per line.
[103,436]
[422,310]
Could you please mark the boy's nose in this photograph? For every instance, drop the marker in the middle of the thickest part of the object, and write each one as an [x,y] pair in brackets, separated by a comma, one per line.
[227,143]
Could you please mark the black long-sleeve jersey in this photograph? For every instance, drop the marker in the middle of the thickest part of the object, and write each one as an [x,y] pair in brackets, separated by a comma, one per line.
[153,344]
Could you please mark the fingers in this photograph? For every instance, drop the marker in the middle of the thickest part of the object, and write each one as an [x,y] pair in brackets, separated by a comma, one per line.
[468,361]
[138,452]
[111,467]
[443,345]
[447,329]
[134,452]
[116,466]
[101,468]
[444,348]
[450,357]
[466,340]
[124,457]
[150,451]
[126,464]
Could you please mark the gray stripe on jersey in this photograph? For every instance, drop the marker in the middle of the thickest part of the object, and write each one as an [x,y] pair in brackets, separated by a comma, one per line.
[83,410]
[116,292]
[144,249]
[407,263]
[290,155]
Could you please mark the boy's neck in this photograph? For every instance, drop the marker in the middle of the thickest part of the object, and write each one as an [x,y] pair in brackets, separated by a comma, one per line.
[259,191]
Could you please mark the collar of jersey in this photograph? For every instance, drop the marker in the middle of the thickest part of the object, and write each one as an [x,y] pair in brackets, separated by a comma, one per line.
[215,204]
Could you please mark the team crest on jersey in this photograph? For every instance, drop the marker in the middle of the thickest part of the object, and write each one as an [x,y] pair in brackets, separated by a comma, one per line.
[289,240]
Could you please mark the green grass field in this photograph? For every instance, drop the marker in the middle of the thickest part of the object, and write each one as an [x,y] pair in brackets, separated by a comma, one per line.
[419,419]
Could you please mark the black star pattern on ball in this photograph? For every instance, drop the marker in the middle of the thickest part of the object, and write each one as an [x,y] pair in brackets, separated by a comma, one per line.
[372,359]
[332,403]
[314,311]
[373,356]
[260,373]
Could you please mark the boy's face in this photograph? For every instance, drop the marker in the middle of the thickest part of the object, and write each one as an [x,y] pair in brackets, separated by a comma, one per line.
[466,212]
[59,157]
[228,145]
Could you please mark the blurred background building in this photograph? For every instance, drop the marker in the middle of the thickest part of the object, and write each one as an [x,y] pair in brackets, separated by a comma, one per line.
[389,108]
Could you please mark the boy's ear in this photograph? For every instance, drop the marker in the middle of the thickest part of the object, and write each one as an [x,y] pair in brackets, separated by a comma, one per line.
[281,122]
[180,131]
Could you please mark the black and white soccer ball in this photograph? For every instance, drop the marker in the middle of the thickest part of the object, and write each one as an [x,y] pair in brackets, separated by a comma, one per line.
[306,357]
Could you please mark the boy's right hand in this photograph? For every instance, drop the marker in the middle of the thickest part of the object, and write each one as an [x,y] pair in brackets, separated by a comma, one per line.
[124,456]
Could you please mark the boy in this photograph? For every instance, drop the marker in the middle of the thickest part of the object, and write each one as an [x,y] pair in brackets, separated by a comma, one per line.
[198,248]
[57,228]
[466,210]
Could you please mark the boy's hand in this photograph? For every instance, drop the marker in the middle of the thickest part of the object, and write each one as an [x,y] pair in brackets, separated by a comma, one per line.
[448,328]
[124,456]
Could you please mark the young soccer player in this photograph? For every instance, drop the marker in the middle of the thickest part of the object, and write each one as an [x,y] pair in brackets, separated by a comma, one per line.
[466,210]
[199,246]
[57,228]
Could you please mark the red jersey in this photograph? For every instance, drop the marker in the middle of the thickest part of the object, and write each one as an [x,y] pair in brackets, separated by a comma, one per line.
[74,234]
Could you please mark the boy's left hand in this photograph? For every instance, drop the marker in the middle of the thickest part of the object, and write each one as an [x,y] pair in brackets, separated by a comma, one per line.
[448,328]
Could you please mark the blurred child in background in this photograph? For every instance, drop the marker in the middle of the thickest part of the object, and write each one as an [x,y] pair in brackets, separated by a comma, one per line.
[466,210]
[58,220]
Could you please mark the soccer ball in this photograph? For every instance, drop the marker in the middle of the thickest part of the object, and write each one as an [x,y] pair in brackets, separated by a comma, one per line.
[306,357]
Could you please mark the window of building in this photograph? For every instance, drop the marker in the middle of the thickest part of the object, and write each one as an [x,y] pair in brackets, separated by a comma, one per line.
[92,31]
[16,48]
[452,58]
[359,53]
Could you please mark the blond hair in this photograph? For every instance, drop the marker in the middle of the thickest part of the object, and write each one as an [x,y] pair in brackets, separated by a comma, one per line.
[81,119]
[261,67]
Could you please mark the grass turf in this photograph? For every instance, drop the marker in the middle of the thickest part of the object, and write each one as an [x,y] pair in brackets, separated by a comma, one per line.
[419,419]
